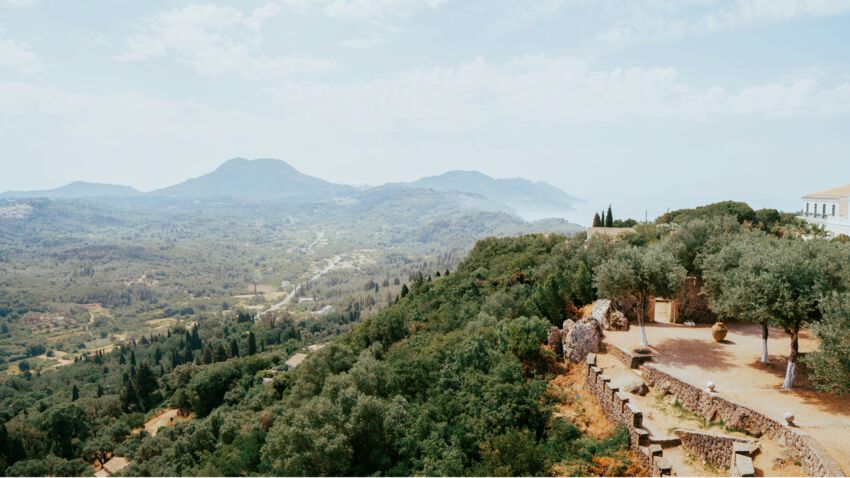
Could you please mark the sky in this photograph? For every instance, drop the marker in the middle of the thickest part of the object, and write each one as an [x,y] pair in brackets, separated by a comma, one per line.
[646,105]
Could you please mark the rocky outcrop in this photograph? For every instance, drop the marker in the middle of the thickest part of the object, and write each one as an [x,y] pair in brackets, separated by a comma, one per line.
[581,338]
[608,317]
[616,321]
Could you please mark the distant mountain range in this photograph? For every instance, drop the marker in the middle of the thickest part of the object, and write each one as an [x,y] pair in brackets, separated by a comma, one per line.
[77,189]
[272,179]
[535,200]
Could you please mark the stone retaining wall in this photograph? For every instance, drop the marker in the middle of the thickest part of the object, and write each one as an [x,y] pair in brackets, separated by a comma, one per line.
[813,459]
[716,450]
[617,407]
[629,359]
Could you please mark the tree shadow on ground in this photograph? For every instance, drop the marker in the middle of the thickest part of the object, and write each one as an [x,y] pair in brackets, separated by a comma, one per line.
[803,387]
[706,354]
[754,330]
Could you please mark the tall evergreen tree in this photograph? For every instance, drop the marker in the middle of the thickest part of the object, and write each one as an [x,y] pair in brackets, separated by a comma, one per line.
[609,218]
[129,398]
[234,348]
[99,390]
[252,343]
[196,338]
[597,222]
[75,393]
[146,386]
[220,353]
[132,358]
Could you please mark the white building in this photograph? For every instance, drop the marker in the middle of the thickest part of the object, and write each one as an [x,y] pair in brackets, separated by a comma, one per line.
[829,208]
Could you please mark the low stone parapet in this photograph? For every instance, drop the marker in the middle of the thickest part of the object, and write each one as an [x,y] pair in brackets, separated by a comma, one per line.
[617,407]
[813,459]
[717,450]
[629,358]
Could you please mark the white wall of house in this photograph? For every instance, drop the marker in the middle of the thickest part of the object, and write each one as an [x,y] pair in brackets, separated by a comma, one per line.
[823,208]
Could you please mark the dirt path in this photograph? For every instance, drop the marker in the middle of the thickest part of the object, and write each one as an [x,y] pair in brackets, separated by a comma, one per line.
[168,417]
[319,237]
[691,355]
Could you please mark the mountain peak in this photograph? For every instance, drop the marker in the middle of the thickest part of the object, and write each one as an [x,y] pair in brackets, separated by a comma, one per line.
[258,162]
[264,178]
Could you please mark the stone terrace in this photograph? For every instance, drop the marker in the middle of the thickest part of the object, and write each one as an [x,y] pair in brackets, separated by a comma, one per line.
[690,355]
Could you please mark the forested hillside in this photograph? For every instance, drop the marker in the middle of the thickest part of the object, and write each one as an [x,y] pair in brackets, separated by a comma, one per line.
[452,379]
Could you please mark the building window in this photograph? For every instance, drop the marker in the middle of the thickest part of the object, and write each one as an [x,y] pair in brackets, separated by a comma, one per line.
[807,209]
[815,212]
[833,210]
[824,210]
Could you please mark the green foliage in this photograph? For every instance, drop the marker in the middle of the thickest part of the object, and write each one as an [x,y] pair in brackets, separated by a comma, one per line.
[830,364]
[50,465]
[642,273]
[692,241]
[741,211]
[65,427]
[206,389]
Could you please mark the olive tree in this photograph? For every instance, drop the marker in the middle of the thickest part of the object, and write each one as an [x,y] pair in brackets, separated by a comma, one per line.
[776,281]
[643,273]
[739,284]
[830,364]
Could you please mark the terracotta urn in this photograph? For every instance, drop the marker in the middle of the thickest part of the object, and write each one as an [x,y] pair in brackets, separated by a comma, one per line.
[718,331]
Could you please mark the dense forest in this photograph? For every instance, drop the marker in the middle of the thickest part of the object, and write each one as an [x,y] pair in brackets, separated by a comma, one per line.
[450,379]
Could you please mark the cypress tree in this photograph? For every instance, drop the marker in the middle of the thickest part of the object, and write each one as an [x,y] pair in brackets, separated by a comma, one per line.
[220,353]
[129,397]
[596,221]
[234,348]
[75,393]
[252,343]
[146,386]
[196,338]
[609,219]
[132,358]
[99,390]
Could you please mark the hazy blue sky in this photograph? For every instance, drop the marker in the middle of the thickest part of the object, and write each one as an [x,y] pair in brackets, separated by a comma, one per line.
[644,104]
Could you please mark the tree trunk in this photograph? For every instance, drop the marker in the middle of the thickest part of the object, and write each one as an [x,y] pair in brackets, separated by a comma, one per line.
[644,305]
[791,370]
[764,357]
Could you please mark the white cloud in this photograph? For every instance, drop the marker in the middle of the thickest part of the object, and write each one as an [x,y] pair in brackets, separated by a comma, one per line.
[19,56]
[373,10]
[538,90]
[753,12]
[668,20]
[216,40]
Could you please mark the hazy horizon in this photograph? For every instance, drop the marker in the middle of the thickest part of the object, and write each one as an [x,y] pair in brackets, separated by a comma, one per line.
[647,106]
